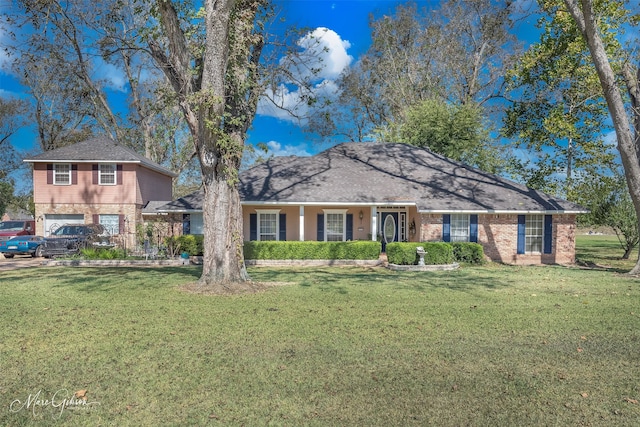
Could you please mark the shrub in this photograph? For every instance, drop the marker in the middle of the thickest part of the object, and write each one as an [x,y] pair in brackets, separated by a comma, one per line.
[471,253]
[193,244]
[404,253]
[360,250]
[102,253]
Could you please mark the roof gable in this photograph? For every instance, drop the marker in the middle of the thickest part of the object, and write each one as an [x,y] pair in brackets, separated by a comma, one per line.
[95,150]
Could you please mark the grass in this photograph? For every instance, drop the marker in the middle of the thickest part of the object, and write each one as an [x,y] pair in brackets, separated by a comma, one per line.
[493,345]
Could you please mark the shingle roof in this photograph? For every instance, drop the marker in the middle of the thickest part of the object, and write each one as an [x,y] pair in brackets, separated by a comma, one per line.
[98,149]
[384,174]
[189,203]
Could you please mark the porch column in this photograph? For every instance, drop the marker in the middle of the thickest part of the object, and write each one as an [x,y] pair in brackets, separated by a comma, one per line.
[374,223]
[301,223]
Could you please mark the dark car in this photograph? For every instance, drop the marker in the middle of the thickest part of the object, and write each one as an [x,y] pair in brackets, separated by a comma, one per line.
[70,238]
[22,245]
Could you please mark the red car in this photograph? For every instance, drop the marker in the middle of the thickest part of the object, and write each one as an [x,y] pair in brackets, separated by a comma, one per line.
[21,227]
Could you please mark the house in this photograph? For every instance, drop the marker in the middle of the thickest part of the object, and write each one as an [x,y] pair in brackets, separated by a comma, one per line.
[396,192]
[96,181]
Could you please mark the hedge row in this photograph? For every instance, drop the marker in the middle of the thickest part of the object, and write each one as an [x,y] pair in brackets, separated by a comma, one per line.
[469,253]
[360,250]
[402,253]
[437,253]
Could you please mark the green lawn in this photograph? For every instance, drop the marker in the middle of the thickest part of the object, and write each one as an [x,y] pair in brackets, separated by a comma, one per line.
[487,346]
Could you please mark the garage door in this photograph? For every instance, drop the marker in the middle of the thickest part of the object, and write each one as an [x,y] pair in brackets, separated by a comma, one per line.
[53,221]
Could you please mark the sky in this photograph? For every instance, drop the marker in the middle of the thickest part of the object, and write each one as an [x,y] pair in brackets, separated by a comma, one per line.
[343,28]
[343,25]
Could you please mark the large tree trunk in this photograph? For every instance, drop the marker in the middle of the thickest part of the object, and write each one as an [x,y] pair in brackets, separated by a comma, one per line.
[203,97]
[223,265]
[585,19]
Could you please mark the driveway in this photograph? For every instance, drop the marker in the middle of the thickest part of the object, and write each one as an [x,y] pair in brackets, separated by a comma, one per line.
[19,261]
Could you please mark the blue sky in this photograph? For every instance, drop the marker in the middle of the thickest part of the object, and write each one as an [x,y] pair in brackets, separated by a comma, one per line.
[344,27]
[345,30]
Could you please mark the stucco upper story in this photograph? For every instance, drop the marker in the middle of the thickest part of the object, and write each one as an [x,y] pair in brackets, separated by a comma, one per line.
[98,171]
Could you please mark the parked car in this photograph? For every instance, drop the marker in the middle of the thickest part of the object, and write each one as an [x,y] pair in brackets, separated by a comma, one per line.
[70,238]
[22,245]
[21,227]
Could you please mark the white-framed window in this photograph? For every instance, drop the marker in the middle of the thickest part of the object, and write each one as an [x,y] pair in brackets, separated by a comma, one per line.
[268,224]
[111,223]
[459,228]
[61,174]
[335,225]
[107,174]
[534,232]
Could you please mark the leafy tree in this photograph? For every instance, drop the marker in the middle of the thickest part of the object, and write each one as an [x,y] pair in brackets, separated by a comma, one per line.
[10,122]
[73,57]
[457,54]
[6,195]
[455,131]
[599,23]
[559,111]
[211,58]
[608,200]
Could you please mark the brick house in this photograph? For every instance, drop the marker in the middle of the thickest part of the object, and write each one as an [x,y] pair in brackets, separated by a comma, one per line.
[397,192]
[96,181]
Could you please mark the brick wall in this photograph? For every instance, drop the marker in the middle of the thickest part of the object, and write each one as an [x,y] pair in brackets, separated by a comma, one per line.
[498,234]
[131,212]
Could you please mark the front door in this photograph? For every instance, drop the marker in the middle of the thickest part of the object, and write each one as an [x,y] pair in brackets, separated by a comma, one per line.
[389,228]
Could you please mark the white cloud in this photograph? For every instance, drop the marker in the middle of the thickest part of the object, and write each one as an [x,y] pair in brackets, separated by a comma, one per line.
[323,57]
[112,76]
[323,50]
[278,149]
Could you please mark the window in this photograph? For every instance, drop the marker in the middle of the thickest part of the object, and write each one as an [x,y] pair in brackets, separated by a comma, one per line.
[111,223]
[534,231]
[335,225]
[459,228]
[107,174]
[268,224]
[62,174]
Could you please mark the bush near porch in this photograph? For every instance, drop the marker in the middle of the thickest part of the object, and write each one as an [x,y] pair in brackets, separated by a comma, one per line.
[193,244]
[437,253]
[281,250]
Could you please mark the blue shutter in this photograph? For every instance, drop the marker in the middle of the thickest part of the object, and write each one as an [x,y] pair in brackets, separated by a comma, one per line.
[521,233]
[349,226]
[283,227]
[186,224]
[473,228]
[320,228]
[548,234]
[253,226]
[446,228]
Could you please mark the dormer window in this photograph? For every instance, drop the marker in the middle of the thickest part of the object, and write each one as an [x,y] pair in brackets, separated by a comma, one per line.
[62,174]
[107,174]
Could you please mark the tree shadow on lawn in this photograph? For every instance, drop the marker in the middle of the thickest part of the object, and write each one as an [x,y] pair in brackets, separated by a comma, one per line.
[340,279]
[107,279]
